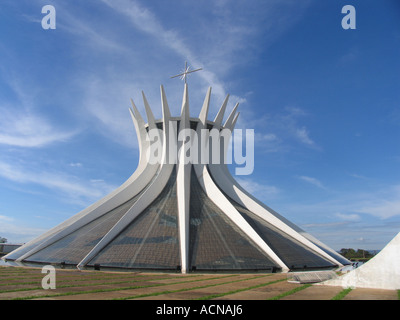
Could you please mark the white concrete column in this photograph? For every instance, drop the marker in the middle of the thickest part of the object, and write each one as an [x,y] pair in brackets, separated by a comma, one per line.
[183,185]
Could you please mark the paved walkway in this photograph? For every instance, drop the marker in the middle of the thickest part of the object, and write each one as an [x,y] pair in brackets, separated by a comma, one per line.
[25,283]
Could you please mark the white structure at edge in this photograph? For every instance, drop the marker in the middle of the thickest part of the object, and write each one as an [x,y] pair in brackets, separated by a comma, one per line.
[381,272]
[149,180]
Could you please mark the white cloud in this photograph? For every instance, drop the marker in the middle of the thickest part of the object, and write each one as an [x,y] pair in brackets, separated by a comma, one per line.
[71,22]
[106,96]
[76,164]
[349,57]
[17,232]
[384,203]
[267,137]
[312,181]
[348,217]
[358,176]
[67,185]
[225,40]
[290,121]
[303,135]
[109,106]
[351,205]
[220,36]
[21,125]
[267,142]
[146,21]
[383,209]
[284,129]
[23,129]
[258,190]
[5,218]
[325,225]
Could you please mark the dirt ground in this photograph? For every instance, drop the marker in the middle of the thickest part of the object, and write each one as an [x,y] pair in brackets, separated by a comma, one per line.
[18,283]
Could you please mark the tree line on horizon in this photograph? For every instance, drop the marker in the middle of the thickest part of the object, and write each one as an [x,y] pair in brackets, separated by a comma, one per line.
[350,253]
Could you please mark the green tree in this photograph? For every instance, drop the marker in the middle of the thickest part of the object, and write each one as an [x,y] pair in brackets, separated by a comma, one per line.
[3,240]
[348,253]
[353,254]
[361,253]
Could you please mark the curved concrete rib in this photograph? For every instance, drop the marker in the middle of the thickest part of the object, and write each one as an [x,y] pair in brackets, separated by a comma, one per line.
[130,188]
[183,186]
[229,123]
[220,116]
[148,196]
[230,186]
[213,192]
[150,117]
[206,105]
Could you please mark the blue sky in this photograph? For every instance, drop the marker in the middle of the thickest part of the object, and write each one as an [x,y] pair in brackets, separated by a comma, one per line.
[323,101]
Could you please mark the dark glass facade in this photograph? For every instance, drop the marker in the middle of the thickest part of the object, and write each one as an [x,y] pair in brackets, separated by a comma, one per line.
[151,240]
[74,247]
[293,253]
[216,243]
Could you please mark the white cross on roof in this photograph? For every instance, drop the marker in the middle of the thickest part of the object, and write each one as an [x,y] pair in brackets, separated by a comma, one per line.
[184,74]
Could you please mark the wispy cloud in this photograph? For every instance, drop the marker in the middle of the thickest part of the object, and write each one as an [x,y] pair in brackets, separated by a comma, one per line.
[291,122]
[69,186]
[382,203]
[353,234]
[220,39]
[108,107]
[312,181]
[383,208]
[268,142]
[147,21]
[216,35]
[348,217]
[21,124]
[18,231]
[105,97]
[358,176]
[11,229]
[281,131]
[349,57]
[5,218]
[261,191]
[23,129]
[303,136]
[76,164]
